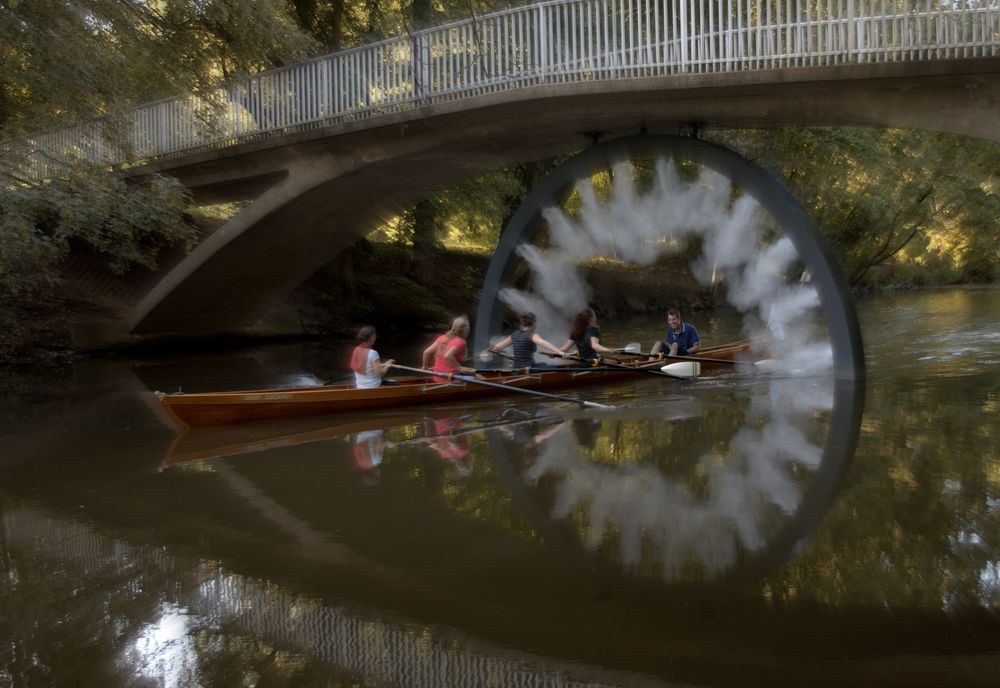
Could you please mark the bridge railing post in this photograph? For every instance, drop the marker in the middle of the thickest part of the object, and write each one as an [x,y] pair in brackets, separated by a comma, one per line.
[543,42]
[421,67]
[852,37]
[683,37]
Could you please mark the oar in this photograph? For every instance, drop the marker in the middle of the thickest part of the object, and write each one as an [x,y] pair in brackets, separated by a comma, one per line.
[765,364]
[558,369]
[630,348]
[480,428]
[661,355]
[677,370]
[487,355]
[674,370]
[476,381]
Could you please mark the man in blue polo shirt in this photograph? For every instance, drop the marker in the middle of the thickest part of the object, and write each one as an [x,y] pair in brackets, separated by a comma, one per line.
[681,340]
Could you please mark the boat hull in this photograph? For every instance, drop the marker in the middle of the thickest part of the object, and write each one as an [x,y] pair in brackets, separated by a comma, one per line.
[226,408]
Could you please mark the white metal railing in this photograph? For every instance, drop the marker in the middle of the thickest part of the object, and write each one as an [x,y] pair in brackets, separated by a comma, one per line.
[550,42]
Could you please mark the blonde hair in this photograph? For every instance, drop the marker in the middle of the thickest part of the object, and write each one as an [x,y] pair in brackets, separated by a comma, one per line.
[457,324]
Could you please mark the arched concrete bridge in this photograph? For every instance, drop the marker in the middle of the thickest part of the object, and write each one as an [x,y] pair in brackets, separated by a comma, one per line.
[330,148]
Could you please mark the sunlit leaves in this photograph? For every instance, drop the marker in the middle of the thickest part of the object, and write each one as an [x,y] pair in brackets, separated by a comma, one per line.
[897,206]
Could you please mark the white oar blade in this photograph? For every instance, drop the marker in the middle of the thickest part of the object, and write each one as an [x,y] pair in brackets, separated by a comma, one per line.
[768,365]
[685,369]
[632,348]
[485,356]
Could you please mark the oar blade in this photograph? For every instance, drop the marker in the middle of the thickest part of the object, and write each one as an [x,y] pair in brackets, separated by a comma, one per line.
[683,369]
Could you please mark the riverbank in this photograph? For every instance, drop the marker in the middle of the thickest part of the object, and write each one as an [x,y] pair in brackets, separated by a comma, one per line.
[378,283]
[387,286]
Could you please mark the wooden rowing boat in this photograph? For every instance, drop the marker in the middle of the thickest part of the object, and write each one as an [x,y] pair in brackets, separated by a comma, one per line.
[227,408]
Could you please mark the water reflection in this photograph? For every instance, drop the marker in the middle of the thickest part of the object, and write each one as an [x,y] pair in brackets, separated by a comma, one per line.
[173,620]
[684,512]
[264,542]
[686,490]
[368,447]
[281,563]
[451,445]
[165,649]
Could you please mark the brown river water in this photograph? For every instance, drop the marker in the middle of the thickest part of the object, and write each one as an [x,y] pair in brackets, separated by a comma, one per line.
[738,530]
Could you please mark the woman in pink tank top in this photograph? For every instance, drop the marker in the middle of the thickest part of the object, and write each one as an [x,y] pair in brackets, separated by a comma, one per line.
[448,351]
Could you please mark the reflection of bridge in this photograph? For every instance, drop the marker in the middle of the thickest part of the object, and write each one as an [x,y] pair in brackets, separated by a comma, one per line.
[334,145]
[378,650]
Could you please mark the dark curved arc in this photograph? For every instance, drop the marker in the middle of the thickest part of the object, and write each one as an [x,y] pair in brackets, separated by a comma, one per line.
[819,496]
[556,535]
[789,214]
[821,491]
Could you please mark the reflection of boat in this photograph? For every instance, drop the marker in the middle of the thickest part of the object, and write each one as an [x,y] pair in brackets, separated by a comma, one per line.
[439,425]
[224,408]
[216,442]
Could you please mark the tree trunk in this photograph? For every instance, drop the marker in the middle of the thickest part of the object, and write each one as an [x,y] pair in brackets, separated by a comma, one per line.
[424,229]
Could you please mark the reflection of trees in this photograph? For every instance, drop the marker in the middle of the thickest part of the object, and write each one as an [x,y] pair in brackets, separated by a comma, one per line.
[918,524]
[698,512]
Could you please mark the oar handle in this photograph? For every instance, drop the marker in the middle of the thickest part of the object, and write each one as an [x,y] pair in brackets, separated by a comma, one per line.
[414,370]
[572,357]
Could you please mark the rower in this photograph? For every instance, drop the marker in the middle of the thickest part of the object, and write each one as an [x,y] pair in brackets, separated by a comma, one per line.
[681,339]
[526,341]
[369,369]
[585,335]
[448,350]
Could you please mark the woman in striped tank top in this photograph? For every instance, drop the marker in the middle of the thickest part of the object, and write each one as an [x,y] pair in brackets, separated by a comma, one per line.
[526,341]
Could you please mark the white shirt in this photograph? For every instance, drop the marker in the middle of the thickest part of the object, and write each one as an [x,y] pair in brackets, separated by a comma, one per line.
[369,379]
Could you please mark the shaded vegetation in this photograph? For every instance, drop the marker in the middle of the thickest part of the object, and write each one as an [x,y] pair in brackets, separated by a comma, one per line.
[901,208]
[390,286]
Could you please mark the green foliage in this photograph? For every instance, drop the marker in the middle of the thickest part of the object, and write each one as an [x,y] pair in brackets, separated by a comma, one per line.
[126,225]
[376,283]
[897,206]
[338,24]
[62,62]
[475,211]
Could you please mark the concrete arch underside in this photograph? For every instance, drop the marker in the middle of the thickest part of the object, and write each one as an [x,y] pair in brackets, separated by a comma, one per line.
[317,191]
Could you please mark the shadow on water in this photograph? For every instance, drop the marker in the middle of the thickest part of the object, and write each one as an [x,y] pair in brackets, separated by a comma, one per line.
[446,546]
